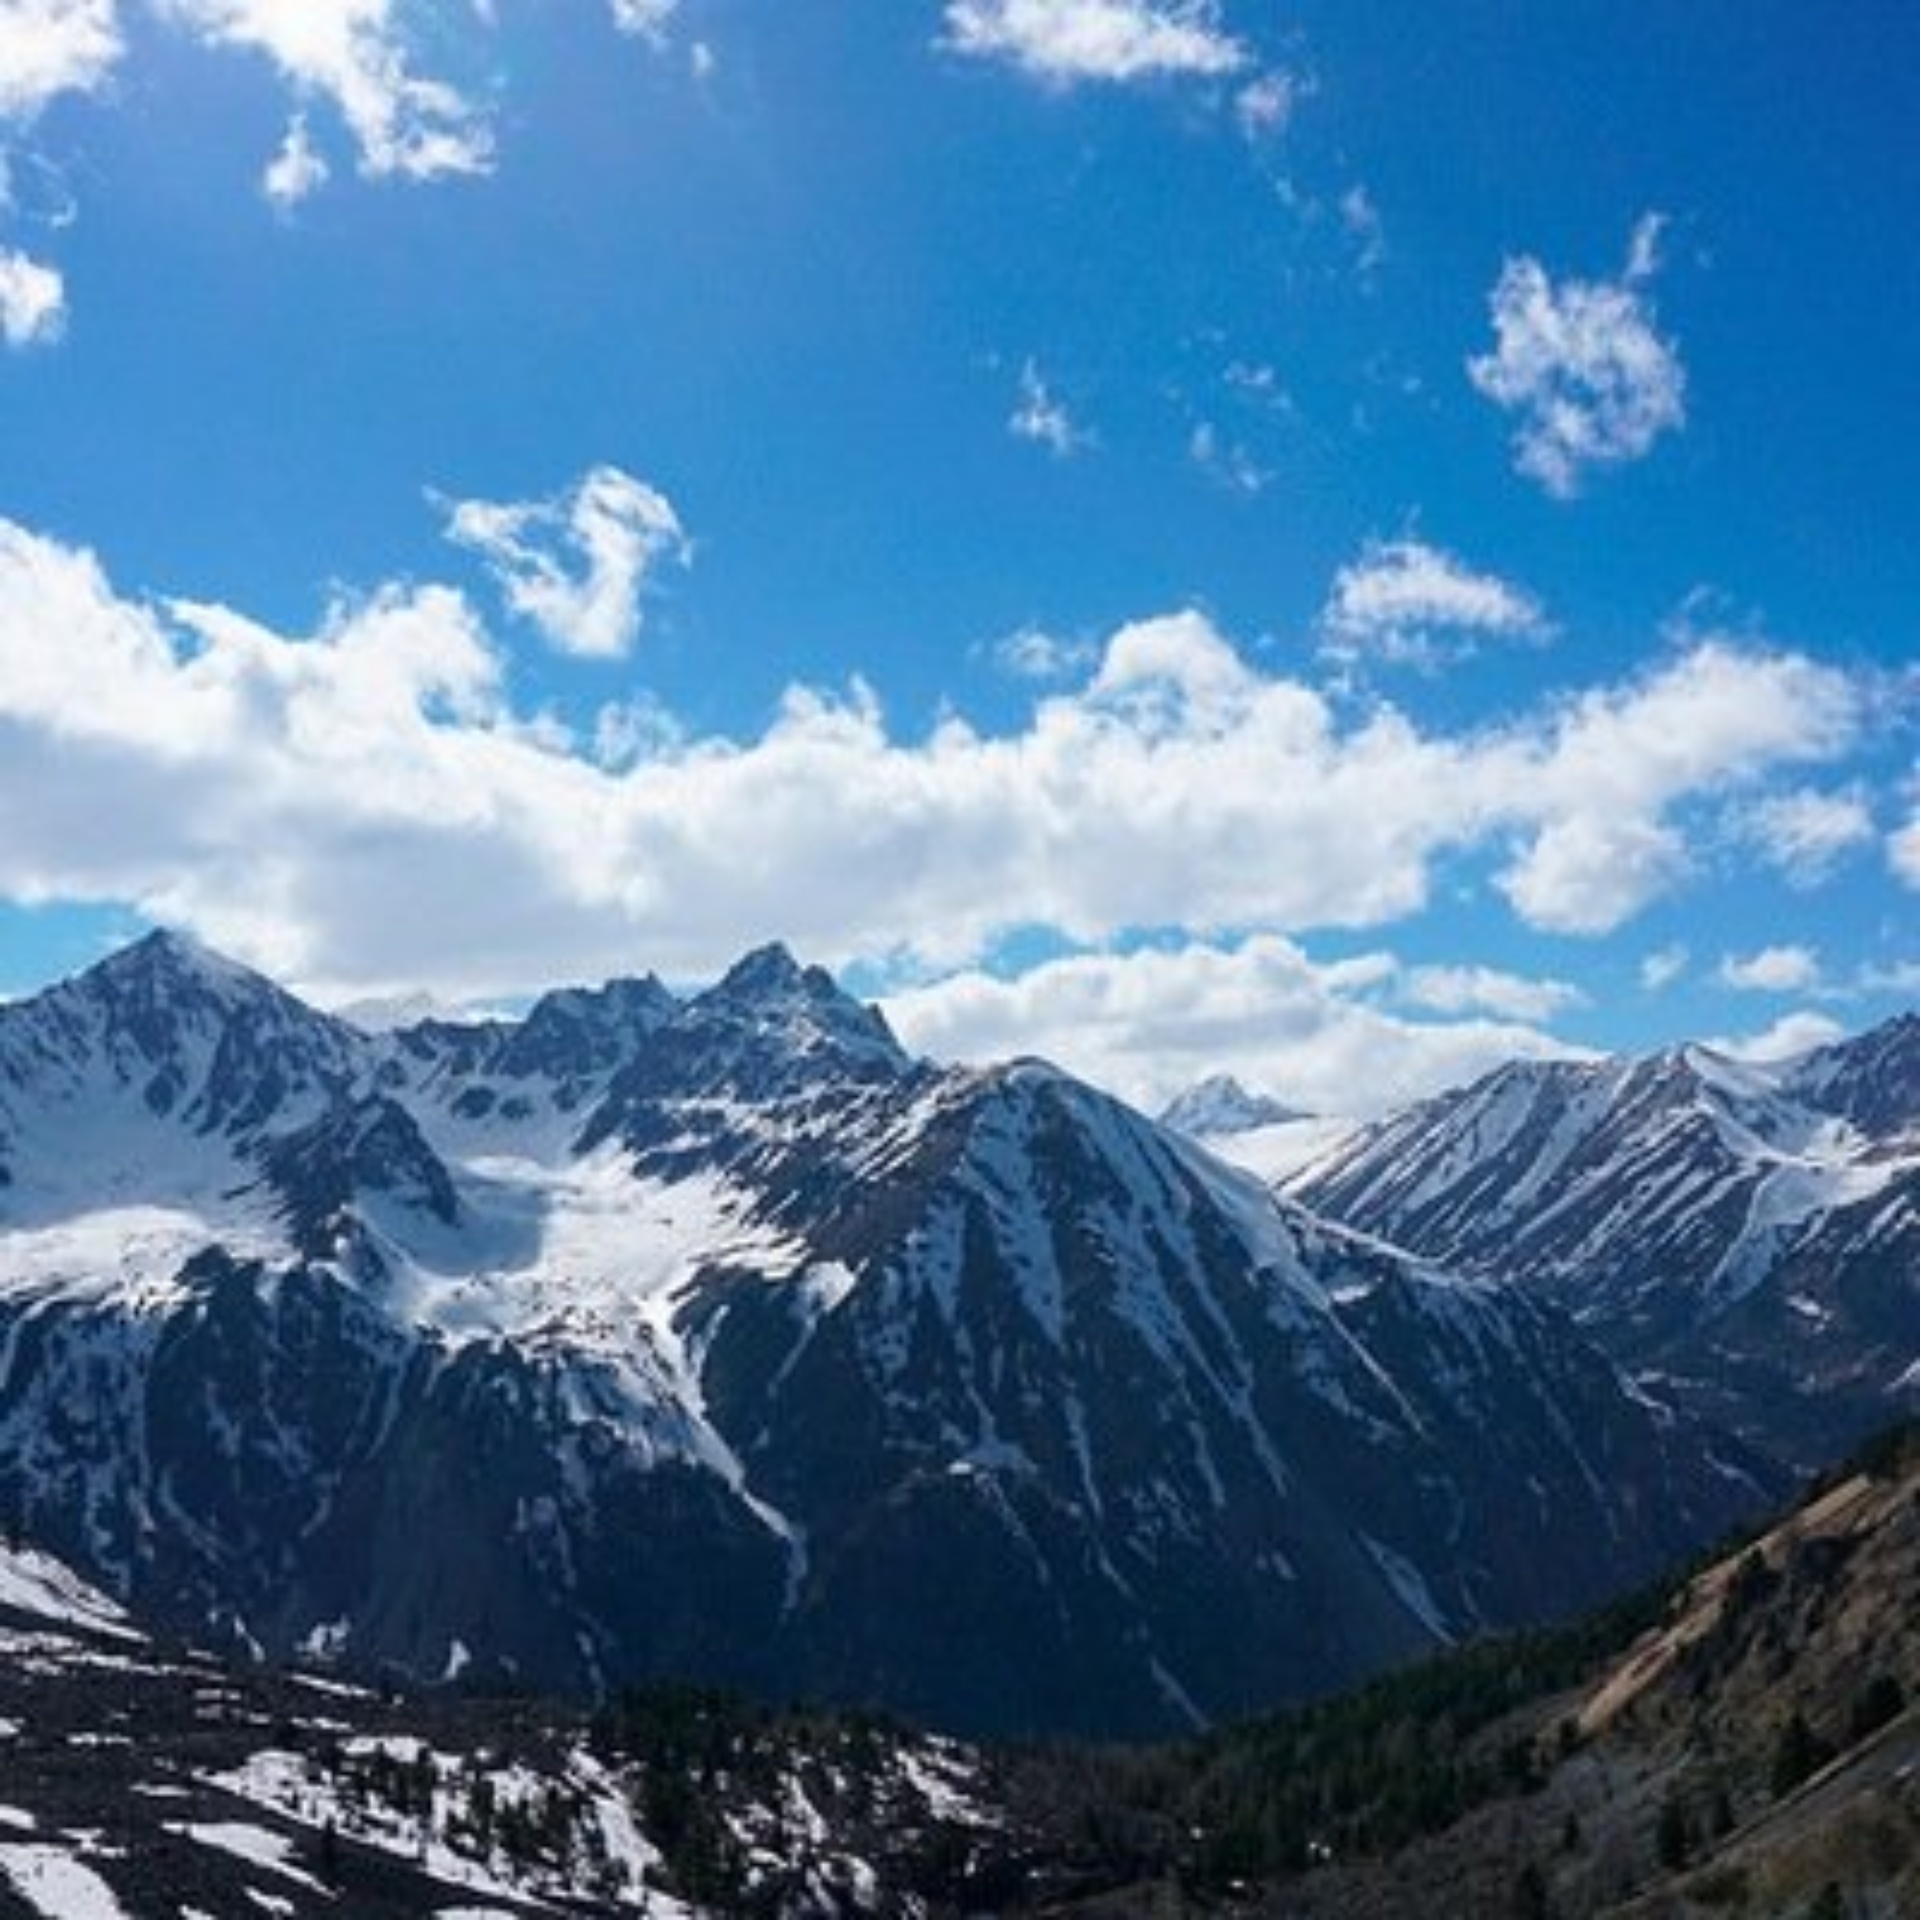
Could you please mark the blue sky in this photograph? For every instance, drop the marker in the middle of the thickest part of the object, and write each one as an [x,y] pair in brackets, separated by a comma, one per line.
[1339,542]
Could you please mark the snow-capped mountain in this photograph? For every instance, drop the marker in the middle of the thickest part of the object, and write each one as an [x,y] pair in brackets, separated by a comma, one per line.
[719,1337]
[1751,1234]
[1219,1105]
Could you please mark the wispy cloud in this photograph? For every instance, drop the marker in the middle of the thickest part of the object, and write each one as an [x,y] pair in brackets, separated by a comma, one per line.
[1226,460]
[1070,42]
[1041,416]
[576,565]
[1664,966]
[1265,106]
[1366,232]
[1582,365]
[1405,601]
[649,19]
[1806,833]
[1034,654]
[297,171]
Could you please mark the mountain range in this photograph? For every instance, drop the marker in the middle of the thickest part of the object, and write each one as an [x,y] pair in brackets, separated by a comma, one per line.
[1743,1238]
[717,1337]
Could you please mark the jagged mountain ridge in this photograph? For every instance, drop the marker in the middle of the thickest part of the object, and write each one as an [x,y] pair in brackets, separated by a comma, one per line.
[1751,1234]
[721,1337]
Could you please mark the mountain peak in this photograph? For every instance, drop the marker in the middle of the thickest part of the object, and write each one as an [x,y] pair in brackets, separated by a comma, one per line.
[769,983]
[1222,1104]
[768,972]
[167,965]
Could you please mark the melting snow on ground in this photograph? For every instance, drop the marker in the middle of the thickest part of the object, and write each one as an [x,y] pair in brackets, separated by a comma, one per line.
[255,1845]
[36,1583]
[52,1882]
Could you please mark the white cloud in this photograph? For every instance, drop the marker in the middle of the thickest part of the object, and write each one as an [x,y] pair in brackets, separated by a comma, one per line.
[1403,600]
[1615,762]
[1475,989]
[1806,833]
[1661,968]
[1782,969]
[1365,230]
[1590,874]
[1151,1022]
[364,808]
[1066,42]
[51,47]
[298,170]
[1226,461]
[576,565]
[648,19]
[1889,976]
[1789,1036]
[1903,852]
[1266,106]
[1033,654]
[1582,365]
[354,54]
[1040,417]
[33,301]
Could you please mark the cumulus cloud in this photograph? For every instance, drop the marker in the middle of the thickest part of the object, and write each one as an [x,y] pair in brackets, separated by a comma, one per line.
[1617,760]
[1406,601]
[1582,365]
[576,566]
[33,301]
[1042,418]
[1782,969]
[1806,833]
[364,808]
[51,47]
[1067,42]
[1790,1036]
[1588,874]
[354,54]
[1151,1022]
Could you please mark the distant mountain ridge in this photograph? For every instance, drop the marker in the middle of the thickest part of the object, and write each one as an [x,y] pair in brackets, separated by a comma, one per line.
[720,1337]
[1750,1234]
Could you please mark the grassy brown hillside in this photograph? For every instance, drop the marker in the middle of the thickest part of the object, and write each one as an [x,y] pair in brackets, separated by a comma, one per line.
[1739,1743]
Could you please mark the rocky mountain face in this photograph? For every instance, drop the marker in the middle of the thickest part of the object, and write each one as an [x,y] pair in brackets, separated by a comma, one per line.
[719,1338]
[1746,1237]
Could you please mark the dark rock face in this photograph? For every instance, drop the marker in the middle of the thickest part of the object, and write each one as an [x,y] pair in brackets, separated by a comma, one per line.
[1748,1237]
[722,1339]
